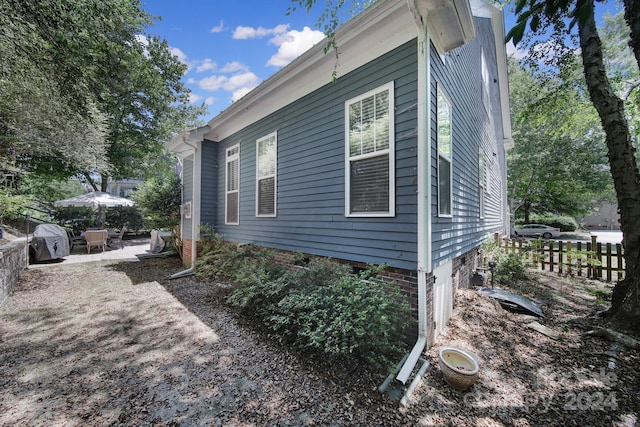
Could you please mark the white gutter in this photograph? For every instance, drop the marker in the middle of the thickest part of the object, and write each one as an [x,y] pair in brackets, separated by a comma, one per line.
[424,191]
[195,209]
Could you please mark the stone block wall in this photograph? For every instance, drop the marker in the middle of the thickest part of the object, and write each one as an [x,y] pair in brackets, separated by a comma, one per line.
[13,261]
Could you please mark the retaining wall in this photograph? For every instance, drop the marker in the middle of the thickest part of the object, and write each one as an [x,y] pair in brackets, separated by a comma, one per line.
[13,260]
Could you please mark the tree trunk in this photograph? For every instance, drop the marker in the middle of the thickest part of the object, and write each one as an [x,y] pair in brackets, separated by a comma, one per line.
[625,304]
[632,16]
[527,211]
[104,180]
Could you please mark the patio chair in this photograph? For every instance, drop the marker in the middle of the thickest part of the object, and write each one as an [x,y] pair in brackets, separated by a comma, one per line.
[75,239]
[95,238]
[117,238]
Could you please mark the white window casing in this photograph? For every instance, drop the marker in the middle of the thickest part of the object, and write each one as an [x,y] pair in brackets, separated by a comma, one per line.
[232,186]
[370,154]
[266,175]
[444,112]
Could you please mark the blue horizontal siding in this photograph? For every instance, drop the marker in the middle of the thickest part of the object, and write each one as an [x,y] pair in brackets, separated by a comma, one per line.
[460,75]
[311,167]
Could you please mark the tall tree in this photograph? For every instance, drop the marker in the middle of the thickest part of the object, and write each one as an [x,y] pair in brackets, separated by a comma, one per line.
[542,15]
[559,162]
[84,89]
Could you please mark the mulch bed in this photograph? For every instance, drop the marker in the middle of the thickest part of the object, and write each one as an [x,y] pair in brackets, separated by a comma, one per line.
[117,343]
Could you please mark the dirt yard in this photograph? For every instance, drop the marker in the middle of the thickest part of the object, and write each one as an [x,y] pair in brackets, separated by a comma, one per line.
[116,343]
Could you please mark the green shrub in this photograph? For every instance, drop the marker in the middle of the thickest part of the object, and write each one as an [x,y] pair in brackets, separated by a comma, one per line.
[124,216]
[334,314]
[509,266]
[564,223]
[77,218]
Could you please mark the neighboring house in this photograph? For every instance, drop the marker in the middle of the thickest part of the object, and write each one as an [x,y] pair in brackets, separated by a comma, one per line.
[604,217]
[400,160]
[123,187]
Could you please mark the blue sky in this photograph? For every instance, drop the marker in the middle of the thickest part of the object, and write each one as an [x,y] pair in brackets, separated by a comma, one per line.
[230,47]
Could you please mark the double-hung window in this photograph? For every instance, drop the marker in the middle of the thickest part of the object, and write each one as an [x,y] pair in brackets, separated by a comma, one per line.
[266,168]
[444,141]
[232,186]
[369,154]
[486,85]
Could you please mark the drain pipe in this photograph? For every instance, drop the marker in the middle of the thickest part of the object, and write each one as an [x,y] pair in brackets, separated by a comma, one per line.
[424,191]
[194,217]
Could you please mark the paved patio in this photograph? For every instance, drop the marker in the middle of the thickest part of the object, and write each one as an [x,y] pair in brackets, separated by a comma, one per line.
[132,249]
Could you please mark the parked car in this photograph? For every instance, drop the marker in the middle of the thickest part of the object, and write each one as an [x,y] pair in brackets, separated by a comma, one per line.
[545,231]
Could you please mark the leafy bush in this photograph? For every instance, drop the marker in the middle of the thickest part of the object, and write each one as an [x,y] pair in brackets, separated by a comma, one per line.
[220,260]
[77,218]
[124,216]
[80,218]
[159,200]
[509,266]
[325,309]
[564,223]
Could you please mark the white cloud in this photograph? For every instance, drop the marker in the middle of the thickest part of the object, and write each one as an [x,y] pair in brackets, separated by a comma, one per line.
[212,83]
[193,98]
[245,33]
[141,38]
[230,84]
[182,57]
[247,79]
[517,53]
[218,28]
[209,100]
[206,65]
[232,67]
[240,93]
[293,44]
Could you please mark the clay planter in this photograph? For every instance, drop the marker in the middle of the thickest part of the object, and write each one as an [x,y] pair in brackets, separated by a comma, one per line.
[460,368]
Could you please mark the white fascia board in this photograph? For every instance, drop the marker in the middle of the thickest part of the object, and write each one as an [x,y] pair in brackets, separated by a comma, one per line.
[378,29]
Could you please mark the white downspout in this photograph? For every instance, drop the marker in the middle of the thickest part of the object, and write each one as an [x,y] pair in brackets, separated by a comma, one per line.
[195,212]
[424,195]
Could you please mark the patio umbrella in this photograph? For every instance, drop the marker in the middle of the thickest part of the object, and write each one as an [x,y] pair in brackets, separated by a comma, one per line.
[94,200]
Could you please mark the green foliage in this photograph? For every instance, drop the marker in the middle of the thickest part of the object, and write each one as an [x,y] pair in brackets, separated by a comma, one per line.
[77,218]
[552,116]
[564,223]
[12,206]
[85,89]
[326,310]
[124,216]
[80,218]
[220,260]
[47,190]
[159,200]
[510,266]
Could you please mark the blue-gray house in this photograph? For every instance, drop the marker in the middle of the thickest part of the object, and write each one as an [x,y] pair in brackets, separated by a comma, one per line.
[400,160]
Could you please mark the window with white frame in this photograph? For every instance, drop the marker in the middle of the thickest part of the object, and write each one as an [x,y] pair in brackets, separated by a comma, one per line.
[369,154]
[266,168]
[486,88]
[444,142]
[232,186]
[481,181]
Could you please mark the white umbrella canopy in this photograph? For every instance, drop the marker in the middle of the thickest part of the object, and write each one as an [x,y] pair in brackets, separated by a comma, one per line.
[94,200]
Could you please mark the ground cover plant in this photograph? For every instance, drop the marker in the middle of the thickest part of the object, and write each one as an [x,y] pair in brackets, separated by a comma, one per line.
[320,308]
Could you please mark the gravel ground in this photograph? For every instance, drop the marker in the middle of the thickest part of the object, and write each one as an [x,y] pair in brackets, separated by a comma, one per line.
[116,343]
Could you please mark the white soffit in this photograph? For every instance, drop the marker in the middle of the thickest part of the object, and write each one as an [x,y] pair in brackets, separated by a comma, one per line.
[450,22]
